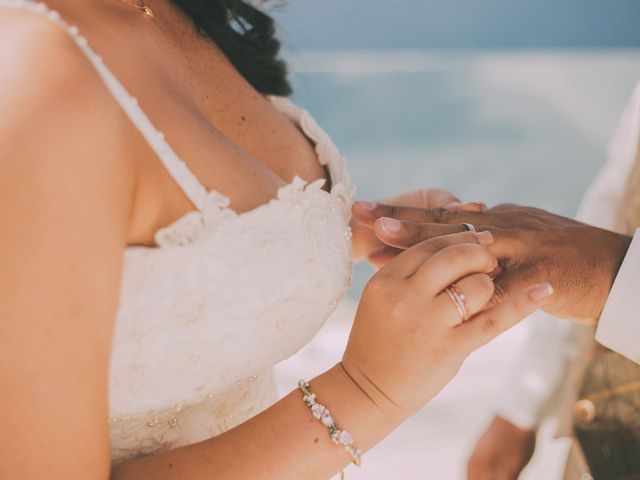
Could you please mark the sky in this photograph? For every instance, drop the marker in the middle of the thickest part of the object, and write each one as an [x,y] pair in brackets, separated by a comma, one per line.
[461,24]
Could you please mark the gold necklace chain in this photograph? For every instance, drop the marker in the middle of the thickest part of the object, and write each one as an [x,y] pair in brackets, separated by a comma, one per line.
[143,8]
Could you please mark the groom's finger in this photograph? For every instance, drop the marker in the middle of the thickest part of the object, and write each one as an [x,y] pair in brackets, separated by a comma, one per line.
[402,234]
[367,213]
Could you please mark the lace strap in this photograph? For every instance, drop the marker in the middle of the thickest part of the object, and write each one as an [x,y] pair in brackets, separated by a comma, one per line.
[176,167]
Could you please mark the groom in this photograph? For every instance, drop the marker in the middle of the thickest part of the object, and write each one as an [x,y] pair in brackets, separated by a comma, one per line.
[596,276]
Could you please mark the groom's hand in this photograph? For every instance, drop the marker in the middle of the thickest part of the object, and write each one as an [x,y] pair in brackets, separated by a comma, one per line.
[532,245]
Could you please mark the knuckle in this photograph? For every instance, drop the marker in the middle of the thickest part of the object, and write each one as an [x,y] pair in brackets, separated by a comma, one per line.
[486,260]
[478,283]
[389,210]
[499,294]
[400,311]
[382,210]
[486,285]
[490,324]
[442,215]
[393,211]
[477,255]
[492,261]
[478,288]
[422,231]
[377,284]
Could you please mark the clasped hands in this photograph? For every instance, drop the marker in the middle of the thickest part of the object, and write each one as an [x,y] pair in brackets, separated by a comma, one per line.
[533,246]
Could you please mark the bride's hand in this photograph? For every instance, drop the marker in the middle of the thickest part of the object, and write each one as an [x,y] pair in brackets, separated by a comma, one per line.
[408,341]
[367,246]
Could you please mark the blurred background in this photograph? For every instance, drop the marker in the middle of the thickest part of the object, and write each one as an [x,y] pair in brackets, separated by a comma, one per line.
[497,100]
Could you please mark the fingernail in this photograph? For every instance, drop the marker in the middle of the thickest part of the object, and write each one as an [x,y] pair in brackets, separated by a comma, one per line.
[540,292]
[482,205]
[390,225]
[485,238]
[365,206]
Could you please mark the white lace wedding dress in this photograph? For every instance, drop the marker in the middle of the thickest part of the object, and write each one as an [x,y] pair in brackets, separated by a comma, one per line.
[225,296]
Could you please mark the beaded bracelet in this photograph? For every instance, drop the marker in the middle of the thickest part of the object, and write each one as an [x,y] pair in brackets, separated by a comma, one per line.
[321,413]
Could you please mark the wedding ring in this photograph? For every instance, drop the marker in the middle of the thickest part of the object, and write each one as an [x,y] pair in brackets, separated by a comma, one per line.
[458,298]
[470,227]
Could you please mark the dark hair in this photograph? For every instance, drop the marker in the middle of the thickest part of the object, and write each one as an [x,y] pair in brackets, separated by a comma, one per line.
[246,35]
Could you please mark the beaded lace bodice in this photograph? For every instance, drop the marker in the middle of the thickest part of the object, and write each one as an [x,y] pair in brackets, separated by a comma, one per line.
[205,315]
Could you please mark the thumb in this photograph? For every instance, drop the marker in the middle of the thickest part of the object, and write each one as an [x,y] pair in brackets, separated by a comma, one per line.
[512,280]
[490,323]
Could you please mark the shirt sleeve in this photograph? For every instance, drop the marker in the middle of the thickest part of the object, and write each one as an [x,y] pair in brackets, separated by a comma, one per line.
[619,325]
[535,381]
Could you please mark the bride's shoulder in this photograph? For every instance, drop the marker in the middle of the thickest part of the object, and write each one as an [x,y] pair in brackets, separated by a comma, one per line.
[48,87]
[58,120]
[39,59]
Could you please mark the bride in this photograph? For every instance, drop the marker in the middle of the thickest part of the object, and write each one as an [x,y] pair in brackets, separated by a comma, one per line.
[174,227]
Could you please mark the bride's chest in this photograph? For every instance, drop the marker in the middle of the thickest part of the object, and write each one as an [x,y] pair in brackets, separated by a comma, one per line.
[246,292]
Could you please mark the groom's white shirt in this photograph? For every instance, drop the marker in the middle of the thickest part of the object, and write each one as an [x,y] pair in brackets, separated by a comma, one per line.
[553,344]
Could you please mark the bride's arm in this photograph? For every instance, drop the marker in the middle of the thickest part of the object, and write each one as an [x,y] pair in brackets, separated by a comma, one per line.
[285,441]
[65,196]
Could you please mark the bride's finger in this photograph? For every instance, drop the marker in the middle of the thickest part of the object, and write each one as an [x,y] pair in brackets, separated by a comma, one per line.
[467,207]
[425,198]
[408,262]
[449,265]
[489,323]
[474,292]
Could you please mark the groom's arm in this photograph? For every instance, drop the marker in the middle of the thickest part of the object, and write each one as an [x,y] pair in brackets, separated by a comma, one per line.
[619,325]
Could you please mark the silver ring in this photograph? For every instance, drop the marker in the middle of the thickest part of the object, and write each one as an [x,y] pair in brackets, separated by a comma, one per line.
[470,227]
[458,298]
